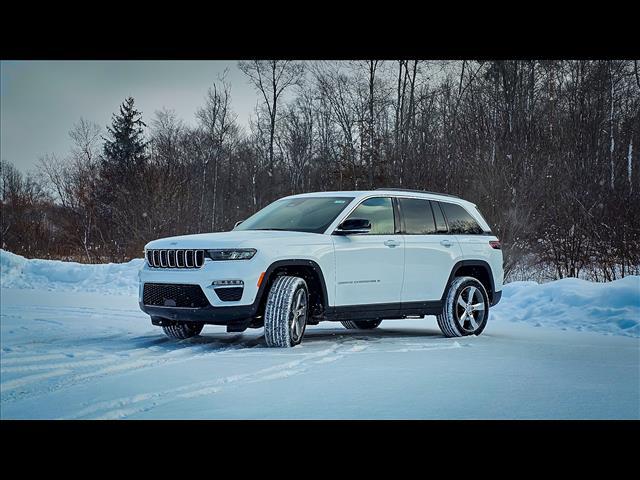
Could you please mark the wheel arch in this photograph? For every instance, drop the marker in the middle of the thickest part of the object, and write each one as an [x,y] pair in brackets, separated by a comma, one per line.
[479,269]
[306,269]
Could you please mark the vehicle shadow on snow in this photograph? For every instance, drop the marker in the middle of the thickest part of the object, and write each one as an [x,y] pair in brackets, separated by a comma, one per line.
[222,341]
[215,341]
[379,334]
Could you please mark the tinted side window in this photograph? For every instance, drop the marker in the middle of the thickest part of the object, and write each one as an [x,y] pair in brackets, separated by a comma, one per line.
[379,211]
[418,218]
[441,226]
[459,220]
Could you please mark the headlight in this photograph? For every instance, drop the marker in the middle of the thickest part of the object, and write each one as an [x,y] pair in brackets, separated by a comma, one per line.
[232,254]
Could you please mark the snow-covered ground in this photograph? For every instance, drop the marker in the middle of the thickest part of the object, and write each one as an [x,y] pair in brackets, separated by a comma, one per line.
[75,345]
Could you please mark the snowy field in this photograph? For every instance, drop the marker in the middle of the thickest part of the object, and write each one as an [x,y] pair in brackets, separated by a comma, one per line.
[75,345]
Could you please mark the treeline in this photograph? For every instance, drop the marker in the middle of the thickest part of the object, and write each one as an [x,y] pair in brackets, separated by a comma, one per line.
[548,150]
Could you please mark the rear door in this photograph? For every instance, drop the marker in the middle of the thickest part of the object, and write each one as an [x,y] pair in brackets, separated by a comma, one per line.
[430,250]
[370,267]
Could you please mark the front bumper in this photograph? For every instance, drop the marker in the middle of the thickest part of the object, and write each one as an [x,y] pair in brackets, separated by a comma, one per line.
[217,312]
[210,315]
[246,270]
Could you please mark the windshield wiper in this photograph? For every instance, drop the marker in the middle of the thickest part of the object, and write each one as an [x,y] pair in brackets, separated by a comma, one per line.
[276,229]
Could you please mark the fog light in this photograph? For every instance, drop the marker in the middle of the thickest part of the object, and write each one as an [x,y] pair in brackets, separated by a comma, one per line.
[227,283]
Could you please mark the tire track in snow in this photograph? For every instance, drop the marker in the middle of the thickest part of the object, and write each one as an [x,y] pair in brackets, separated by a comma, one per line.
[115,363]
[153,352]
[68,365]
[29,379]
[421,347]
[127,406]
[38,358]
[131,405]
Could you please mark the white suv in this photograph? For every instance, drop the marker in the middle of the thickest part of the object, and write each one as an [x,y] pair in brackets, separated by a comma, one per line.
[355,257]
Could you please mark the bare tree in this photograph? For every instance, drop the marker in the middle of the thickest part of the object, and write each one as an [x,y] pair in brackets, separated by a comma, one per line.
[271,78]
[218,123]
[337,89]
[73,181]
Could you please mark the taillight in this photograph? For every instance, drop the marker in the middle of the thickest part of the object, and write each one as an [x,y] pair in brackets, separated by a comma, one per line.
[495,244]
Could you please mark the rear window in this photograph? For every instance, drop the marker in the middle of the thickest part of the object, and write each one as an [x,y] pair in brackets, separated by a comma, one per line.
[418,218]
[459,220]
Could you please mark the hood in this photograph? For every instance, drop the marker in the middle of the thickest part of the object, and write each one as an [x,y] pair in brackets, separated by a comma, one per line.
[235,238]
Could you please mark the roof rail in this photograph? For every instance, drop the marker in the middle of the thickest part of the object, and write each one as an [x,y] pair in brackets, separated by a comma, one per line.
[417,191]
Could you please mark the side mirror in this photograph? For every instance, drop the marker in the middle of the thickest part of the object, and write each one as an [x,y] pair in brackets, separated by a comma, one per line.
[238,223]
[353,226]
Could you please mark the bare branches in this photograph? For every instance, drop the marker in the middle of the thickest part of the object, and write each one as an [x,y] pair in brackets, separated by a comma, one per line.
[528,141]
[271,78]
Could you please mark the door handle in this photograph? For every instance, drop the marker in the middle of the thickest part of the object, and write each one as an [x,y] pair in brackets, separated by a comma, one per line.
[392,243]
[446,243]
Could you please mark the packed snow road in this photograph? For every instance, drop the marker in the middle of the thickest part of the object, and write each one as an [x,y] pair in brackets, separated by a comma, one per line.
[86,355]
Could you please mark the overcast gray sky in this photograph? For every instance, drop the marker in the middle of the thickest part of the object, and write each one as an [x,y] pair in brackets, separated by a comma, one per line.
[41,100]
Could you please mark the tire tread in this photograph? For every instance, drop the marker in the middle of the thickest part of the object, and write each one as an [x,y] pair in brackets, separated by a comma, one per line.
[278,309]
[361,325]
[182,331]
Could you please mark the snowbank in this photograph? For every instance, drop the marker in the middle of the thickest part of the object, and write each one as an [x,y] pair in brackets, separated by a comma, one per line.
[610,308]
[112,278]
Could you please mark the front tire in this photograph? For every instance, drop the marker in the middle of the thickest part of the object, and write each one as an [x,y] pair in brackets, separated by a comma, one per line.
[183,330]
[361,324]
[466,308]
[285,315]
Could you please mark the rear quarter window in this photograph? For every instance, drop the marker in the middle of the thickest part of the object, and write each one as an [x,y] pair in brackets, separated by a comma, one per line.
[460,221]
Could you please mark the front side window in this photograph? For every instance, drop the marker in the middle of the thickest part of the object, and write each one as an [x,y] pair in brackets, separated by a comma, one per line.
[418,218]
[459,220]
[379,211]
[302,214]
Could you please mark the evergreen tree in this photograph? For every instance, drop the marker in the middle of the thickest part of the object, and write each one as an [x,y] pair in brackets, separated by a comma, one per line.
[125,149]
[123,165]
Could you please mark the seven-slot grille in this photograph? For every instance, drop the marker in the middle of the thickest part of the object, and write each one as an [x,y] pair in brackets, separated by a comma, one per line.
[175,258]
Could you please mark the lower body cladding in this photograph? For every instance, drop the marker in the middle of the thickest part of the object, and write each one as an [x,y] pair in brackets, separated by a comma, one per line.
[170,303]
[217,296]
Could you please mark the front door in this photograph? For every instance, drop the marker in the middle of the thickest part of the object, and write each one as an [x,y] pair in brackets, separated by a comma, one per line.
[370,267]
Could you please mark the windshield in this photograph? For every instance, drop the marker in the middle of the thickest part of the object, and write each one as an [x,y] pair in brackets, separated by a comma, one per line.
[303,214]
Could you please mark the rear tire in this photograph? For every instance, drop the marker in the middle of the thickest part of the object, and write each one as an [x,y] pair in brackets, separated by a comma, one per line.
[183,330]
[466,308]
[361,324]
[286,312]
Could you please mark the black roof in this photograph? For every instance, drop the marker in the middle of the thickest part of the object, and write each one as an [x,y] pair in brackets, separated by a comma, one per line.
[417,191]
